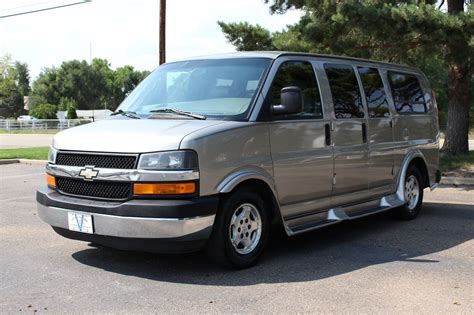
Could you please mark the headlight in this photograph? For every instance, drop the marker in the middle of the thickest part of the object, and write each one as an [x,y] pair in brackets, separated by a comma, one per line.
[169,161]
[52,155]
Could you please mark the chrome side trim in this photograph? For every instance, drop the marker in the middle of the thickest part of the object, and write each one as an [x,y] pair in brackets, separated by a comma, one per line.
[134,175]
[130,227]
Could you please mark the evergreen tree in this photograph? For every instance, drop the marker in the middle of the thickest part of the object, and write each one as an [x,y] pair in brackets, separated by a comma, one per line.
[407,32]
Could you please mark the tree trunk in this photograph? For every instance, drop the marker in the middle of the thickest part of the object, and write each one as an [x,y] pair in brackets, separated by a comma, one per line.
[459,79]
[457,127]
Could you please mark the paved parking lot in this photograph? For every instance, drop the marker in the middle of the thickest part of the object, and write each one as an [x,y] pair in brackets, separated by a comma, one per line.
[373,265]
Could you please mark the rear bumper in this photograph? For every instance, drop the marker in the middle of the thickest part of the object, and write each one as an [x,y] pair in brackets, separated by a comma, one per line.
[135,224]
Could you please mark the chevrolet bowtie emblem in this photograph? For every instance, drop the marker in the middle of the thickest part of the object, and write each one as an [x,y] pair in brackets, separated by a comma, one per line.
[88,173]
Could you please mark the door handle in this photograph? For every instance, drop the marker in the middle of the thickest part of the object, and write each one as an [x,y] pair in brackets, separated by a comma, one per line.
[327,133]
[364,133]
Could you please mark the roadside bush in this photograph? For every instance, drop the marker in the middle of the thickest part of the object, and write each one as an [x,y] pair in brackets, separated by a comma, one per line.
[71,112]
[44,111]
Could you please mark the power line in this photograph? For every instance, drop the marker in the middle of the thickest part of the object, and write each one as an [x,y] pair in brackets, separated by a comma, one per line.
[24,6]
[44,9]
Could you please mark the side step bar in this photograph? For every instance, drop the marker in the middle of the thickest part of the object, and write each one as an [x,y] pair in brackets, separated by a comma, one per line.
[339,214]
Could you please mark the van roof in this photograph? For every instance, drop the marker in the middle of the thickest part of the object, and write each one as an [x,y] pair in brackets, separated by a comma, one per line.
[276,54]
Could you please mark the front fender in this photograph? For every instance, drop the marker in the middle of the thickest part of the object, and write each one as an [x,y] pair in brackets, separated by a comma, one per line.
[240,175]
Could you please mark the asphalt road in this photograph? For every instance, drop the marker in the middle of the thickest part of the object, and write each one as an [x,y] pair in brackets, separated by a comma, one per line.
[372,265]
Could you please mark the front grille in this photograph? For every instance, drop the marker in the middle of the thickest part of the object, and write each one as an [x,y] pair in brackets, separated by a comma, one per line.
[96,160]
[96,189]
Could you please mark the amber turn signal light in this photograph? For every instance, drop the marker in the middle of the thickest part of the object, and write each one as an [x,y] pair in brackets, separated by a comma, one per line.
[164,189]
[51,180]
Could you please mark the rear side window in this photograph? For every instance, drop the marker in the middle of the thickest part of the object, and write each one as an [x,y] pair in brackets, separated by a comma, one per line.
[407,93]
[374,92]
[300,74]
[345,91]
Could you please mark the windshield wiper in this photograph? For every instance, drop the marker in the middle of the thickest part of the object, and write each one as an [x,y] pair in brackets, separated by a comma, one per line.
[178,112]
[126,113]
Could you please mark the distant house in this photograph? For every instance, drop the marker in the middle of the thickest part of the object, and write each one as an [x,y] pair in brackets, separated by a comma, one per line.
[97,114]
[86,114]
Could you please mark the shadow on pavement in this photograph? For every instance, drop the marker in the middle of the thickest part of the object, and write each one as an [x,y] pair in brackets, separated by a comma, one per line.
[324,253]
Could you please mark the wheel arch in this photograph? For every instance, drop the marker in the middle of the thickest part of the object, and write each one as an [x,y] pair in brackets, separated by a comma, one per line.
[417,159]
[260,181]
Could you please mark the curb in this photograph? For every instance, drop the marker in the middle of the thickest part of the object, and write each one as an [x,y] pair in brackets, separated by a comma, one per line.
[33,162]
[457,181]
[9,161]
[23,161]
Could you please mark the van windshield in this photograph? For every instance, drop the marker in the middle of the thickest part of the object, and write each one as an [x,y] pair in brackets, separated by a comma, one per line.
[221,88]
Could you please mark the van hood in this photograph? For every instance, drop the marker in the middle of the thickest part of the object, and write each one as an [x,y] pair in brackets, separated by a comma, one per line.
[129,135]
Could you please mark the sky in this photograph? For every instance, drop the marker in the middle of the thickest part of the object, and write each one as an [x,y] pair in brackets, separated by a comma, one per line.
[124,31]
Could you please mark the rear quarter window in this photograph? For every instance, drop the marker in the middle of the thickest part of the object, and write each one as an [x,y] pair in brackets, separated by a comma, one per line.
[407,93]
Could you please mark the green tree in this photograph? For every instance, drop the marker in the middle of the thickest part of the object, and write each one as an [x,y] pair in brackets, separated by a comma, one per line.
[22,74]
[69,105]
[104,82]
[44,111]
[410,32]
[12,87]
[75,80]
[47,88]
[247,37]
[91,86]
[71,112]
[126,78]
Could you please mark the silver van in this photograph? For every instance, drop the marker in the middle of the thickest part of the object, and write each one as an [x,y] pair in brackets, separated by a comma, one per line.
[210,153]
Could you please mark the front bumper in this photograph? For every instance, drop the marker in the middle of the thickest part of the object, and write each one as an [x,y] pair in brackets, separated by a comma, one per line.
[135,223]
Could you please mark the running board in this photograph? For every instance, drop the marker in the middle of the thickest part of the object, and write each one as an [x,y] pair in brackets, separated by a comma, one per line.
[335,215]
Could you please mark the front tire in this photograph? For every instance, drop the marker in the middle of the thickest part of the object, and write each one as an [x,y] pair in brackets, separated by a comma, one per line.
[413,194]
[240,230]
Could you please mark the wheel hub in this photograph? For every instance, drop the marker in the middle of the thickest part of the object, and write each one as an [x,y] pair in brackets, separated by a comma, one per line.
[412,192]
[245,228]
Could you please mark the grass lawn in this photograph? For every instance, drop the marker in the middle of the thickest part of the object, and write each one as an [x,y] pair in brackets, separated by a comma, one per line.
[451,163]
[40,153]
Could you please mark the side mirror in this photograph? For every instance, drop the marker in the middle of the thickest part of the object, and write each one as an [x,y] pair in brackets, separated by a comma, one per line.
[291,101]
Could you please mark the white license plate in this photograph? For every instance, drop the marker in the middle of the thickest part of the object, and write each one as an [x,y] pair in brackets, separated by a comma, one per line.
[80,222]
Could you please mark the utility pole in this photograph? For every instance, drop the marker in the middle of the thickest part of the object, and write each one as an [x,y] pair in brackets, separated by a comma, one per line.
[90,63]
[162,31]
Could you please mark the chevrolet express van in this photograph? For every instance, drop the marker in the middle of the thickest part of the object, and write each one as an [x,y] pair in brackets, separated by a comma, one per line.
[209,153]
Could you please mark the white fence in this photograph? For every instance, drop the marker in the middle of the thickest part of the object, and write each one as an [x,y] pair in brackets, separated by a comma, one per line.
[41,124]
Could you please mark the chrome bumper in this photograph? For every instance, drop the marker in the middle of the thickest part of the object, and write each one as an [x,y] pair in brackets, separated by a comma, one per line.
[130,227]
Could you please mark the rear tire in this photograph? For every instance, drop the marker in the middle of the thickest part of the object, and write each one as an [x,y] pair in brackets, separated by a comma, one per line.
[240,230]
[413,194]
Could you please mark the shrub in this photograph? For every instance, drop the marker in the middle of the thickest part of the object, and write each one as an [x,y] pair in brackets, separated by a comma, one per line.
[71,112]
[44,111]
